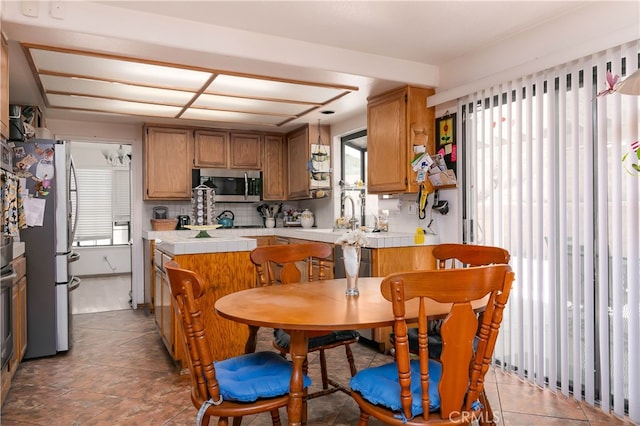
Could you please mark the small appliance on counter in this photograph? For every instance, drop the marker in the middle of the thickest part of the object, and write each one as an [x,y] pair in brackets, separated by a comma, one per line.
[183,220]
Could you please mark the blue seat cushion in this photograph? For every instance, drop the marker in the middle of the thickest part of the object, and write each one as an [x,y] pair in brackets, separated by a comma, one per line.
[246,378]
[379,385]
[283,339]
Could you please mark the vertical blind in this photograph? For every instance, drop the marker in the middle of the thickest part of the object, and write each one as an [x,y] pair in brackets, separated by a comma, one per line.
[541,162]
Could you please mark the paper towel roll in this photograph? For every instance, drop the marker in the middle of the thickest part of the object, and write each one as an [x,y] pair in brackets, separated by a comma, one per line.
[393,204]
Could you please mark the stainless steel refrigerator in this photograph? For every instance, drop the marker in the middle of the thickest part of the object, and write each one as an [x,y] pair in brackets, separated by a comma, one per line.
[47,169]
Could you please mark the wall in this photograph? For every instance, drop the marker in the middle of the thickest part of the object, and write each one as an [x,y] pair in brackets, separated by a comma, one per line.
[101,261]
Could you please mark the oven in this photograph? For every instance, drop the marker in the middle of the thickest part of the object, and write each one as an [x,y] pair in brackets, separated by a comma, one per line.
[6,318]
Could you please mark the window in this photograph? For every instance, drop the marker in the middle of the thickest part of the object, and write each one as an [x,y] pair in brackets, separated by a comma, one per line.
[353,177]
[543,178]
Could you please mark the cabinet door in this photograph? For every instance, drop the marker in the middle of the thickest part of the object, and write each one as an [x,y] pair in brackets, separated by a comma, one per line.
[15,328]
[396,121]
[246,152]
[157,310]
[274,168]
[386,144]
[211,149]
[22,333]
[168,162]
[298,155]
[167,316]
[4,88]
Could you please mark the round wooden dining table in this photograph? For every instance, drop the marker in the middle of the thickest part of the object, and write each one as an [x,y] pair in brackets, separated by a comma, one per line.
[318,305]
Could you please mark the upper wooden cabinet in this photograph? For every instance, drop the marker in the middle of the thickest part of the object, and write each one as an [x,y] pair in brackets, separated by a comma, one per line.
[211,148]
[298,156]
[168,155]
[245,151]
[4,88]
[274,168]
[396,121]
[221,149]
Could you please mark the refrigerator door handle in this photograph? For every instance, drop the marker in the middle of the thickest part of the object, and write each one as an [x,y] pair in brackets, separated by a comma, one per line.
[73,256]
[74,176]
[74,283]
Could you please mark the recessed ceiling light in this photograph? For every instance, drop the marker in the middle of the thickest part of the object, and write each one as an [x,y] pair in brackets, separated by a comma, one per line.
[327,112]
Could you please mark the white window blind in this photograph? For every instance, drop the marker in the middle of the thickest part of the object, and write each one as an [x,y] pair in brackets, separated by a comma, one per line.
[121,196]
[95,195]
[541,162]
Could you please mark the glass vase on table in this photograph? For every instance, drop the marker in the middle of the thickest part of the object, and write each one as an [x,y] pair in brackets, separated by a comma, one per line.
[352,268]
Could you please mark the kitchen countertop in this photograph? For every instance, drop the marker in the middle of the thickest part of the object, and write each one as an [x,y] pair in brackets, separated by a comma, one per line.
[230,240]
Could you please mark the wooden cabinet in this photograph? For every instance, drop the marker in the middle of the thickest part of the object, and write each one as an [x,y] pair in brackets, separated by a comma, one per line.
[4,88]
[168,155]
[396,121]
[18,324]
[298,156]
[274,168]
[385,261]
[231,271]
[165,314]
[245,151]
[221,149]
[211,148]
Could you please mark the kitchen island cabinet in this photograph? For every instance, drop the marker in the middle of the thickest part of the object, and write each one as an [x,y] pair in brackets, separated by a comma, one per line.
[390,252]
[396,121]
[168,159]
[222,261]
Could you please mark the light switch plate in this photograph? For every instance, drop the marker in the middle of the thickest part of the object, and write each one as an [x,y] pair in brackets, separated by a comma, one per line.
[412,208]
[57,9]
[31,8]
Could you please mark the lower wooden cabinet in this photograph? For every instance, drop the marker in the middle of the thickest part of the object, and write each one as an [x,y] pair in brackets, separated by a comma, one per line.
[18,324]
[231,272]
[385,261]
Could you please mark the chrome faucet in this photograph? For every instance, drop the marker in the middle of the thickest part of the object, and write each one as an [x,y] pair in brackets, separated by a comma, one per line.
[353,222]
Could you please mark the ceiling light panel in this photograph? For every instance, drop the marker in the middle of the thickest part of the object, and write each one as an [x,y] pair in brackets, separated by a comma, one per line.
[268,89]
[111,105]
[104,89]
[232,117]
[249,105]
[118,70]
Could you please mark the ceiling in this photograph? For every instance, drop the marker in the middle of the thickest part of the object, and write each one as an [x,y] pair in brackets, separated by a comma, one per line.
[263,65]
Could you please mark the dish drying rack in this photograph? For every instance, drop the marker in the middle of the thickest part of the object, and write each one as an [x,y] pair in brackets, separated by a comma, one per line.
[203,205]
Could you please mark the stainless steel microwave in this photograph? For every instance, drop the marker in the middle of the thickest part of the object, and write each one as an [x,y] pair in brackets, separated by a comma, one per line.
[230,185]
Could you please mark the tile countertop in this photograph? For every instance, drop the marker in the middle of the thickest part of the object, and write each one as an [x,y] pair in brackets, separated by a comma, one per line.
[229,240]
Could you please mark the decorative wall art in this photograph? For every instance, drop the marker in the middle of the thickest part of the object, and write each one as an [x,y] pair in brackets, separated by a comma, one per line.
[446,143]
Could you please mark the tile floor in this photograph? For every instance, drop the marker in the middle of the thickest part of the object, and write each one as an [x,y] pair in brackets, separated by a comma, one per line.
[101,294]
[118,373]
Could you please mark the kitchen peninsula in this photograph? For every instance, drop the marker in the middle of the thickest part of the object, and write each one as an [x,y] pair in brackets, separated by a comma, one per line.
[224,259]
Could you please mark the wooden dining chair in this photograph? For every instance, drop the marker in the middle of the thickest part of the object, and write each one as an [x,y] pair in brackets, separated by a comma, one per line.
[450,256]
[428,391]
[234,387]
[283,264]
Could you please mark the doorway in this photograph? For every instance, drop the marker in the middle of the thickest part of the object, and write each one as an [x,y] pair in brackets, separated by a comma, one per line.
[103,234]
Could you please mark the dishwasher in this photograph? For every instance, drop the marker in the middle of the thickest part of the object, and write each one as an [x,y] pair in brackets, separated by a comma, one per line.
[366,335]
